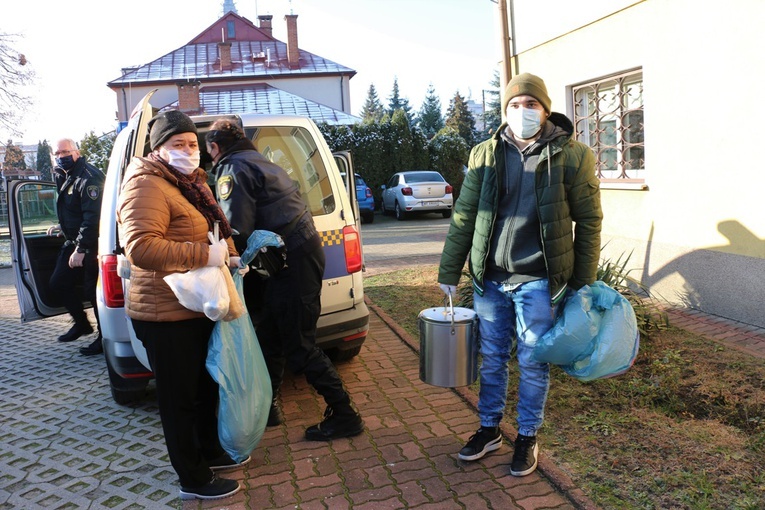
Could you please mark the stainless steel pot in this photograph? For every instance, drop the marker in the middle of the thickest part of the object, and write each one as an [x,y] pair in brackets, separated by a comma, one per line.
[448,346]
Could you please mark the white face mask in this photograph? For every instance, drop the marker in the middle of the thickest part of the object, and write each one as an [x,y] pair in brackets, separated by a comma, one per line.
[524,122]
[183,162]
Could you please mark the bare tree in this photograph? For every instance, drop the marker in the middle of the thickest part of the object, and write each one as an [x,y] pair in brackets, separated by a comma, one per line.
[15,75]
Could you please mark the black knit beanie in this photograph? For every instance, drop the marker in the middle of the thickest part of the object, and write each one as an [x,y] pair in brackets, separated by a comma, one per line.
[167,124]
[527,84]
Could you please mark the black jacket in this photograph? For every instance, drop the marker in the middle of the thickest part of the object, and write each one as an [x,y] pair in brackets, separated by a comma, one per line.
[256,194]
[79,203]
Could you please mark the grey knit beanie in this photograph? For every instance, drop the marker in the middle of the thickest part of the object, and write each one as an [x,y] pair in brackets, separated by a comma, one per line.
[167,124]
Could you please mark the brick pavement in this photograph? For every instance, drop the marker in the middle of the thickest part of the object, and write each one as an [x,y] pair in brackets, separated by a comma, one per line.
[406,458]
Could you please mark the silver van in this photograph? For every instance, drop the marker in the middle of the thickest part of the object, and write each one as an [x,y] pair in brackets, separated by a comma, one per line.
[294,143]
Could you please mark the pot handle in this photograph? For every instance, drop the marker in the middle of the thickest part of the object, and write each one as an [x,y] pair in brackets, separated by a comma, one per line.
[451,307]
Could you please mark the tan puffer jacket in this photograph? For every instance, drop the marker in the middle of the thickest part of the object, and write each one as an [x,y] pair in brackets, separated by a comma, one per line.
[162,233]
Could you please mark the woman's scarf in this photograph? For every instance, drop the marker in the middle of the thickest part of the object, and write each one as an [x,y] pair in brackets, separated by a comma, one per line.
[194,188]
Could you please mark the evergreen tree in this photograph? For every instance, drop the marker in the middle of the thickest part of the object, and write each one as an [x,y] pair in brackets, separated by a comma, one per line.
[460,119]
[373,110]
[396,102]
[448,155]
[13,163]
[492,116]
[44,162]
[430,119]
[97,149]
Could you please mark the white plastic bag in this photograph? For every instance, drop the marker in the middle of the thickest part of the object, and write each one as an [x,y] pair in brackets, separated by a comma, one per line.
[202,290]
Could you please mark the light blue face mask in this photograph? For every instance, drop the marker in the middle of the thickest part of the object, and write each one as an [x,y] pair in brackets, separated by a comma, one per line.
[524,122]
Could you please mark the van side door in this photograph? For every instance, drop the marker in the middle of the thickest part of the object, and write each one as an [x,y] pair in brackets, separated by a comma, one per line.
[31,211]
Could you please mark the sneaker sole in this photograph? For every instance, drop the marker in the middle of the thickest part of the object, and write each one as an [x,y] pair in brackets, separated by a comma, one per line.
[490,447]
[185,496]
[532,468]
[232,467]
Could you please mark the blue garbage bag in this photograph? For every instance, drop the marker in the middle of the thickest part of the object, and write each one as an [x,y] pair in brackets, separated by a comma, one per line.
[235,362]
[596,335]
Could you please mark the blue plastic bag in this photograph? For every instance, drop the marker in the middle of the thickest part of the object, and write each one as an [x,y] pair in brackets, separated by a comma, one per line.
[235,362]
[596,335]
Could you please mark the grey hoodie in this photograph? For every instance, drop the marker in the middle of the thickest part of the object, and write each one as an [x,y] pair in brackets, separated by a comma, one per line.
[516,254]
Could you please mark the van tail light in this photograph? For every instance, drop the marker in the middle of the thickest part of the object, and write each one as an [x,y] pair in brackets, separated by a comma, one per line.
[111,282]
[406,191]
[352,249]
[368,193]
[448,189]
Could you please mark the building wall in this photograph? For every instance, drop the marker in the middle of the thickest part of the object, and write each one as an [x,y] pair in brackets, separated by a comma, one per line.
[698,231]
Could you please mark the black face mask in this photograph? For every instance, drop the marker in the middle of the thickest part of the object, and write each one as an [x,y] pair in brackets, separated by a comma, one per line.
[67,162]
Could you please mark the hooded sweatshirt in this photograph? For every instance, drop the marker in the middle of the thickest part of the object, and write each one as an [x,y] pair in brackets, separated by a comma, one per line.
[516,253]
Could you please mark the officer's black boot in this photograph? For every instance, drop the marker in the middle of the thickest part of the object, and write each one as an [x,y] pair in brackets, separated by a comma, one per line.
[340,420]
[80,328]
[275,414]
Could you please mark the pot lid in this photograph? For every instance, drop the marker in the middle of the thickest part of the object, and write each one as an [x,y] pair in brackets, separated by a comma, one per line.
[444,314]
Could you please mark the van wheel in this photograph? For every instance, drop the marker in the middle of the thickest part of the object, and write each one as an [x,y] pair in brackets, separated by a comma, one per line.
[447,213]
[338,355]
[383,210]
[400,213]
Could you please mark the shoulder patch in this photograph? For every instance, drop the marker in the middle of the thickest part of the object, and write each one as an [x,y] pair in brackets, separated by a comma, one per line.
[225,186]
[93,192]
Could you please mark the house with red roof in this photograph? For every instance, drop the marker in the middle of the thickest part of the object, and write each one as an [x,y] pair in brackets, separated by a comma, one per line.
[234,66]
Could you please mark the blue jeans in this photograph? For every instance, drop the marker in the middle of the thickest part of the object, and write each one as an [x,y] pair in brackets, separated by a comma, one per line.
[513,316]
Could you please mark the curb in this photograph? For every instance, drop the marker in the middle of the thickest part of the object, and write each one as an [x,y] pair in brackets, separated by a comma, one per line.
[557,477]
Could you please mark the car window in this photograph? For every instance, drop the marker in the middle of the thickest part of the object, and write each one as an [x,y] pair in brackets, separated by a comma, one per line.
[294,149]
[415,177]
[393,182]
[360,181]
[37,209]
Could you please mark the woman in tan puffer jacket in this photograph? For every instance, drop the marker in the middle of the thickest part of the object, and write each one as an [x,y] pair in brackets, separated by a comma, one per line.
[165,212]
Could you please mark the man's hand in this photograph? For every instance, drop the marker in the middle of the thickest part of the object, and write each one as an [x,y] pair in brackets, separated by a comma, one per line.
[76,259]
[448,289]
[55,230]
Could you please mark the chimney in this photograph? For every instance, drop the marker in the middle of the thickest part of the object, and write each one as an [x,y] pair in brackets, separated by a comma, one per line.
[224,50]
[188,97]
[264,23]
[293,53]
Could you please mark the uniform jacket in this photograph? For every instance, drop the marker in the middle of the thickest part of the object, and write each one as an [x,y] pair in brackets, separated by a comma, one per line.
[79,204]
[162,233]
[567,194]
[256,194]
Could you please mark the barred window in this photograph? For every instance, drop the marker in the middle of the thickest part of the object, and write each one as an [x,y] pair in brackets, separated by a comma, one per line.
[608,116]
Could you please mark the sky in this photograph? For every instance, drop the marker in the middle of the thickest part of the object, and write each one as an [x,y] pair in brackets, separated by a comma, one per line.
[77,46]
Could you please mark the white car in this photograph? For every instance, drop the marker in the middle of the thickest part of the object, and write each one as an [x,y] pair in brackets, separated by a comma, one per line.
[417,191]
[294,143]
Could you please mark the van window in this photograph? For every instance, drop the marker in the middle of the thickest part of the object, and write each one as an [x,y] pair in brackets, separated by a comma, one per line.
[37,208]
[295,150]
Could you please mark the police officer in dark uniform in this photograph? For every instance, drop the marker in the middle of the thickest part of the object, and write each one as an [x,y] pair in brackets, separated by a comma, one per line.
[80,188]
[256,194]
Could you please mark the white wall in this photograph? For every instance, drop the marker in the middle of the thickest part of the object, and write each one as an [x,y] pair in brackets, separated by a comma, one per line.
[704,211]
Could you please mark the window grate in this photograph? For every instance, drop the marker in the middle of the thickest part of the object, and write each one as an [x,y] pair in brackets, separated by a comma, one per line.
[608,116]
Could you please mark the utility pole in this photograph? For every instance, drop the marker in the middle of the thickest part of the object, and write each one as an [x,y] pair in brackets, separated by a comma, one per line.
[505,71]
